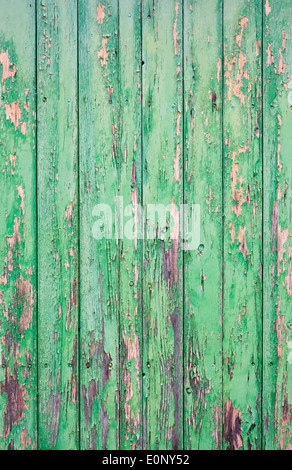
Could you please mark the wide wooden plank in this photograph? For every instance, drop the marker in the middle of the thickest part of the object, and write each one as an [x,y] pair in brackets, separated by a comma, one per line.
[163,185]
[277,360]
[99,176]
[57,224]
[242,288]
[131,262]
[203,186]
[18,273]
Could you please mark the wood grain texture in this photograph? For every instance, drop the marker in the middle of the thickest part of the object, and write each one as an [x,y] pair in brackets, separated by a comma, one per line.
[18,373]
[116,332]
[99,176]
[162,184]
[57,223]
[242,307]
[131,246]
[277,62]
[203,186]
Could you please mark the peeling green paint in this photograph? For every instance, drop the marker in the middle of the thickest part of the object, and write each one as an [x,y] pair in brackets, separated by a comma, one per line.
[124,342]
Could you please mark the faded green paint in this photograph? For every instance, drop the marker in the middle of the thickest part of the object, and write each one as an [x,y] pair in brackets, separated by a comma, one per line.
[17,227]
[242,177]
[203,185]
[131,255]
[277,360]
[57,223]
[157,102]
[99,177]
[162,184]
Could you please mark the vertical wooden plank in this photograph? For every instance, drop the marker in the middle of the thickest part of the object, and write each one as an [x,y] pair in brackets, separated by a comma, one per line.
[99,173]
[277,392]
[163,278]
[17,226]
[203,186]
[131,249]
[57,224]
[242,313]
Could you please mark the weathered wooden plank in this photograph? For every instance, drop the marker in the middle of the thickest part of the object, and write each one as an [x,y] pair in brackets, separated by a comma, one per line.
[203,186]
[57,224]
[17,226]
[162,178]
[131,263]
[99,174]
[277,62]
[242,313]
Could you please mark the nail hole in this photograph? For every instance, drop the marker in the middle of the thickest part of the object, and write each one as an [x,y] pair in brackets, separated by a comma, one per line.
[44,99]
[87,365]
[148,365]
[189,391]
[45,365]
[201,248]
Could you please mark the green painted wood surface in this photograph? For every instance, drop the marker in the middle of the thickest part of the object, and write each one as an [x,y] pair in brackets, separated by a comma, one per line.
[242,179]
[277,360]
[18,276]
[119,342]
[99,184]
[131,254]
[57,223]
[162,184]
[203,185]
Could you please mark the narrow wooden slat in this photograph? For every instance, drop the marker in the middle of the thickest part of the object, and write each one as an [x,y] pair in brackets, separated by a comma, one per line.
[57,224]
[99,172]
[242,313]
[18,370]
[203,186]
[277,360]
[131,263]
[163,184]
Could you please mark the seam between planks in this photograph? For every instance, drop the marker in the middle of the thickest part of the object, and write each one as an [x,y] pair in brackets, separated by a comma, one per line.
[37,219]
[183,224]
[222,221]
[263,222]
[78,233]
[119,244]
[143,239]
